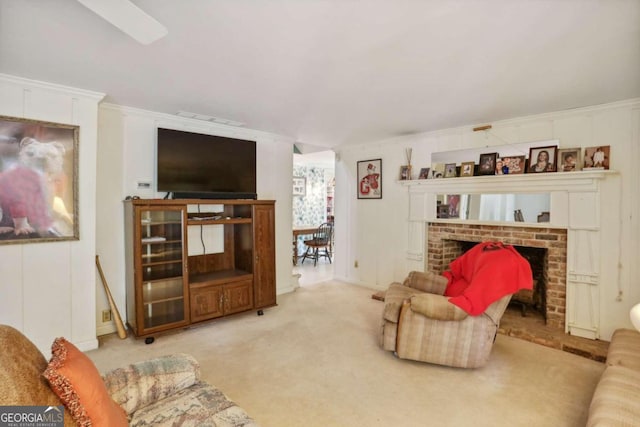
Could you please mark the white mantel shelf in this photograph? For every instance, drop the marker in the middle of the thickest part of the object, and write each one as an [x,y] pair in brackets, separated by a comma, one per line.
[541,225]
[516,183]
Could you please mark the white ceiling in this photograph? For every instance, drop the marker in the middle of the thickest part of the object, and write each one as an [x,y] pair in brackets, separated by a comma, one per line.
[322,159]
[333,72]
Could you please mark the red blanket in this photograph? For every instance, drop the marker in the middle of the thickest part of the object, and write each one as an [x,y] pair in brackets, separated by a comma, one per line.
[484,274]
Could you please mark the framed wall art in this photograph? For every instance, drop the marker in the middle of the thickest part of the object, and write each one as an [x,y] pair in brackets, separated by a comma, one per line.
[569,160]
[542,159]
[424,173]
[38,181]
[369,179]
[487,164]
[299,186]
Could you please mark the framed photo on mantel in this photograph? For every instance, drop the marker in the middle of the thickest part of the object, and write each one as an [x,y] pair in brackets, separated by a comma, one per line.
[487,164]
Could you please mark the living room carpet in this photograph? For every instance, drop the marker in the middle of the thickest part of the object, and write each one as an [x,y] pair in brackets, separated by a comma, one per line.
[314,360]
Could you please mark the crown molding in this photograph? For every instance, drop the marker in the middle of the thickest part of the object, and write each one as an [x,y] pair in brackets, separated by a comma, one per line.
[67,90]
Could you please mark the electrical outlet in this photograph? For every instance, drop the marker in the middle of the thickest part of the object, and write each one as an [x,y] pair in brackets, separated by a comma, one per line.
[106,316]
[355,264]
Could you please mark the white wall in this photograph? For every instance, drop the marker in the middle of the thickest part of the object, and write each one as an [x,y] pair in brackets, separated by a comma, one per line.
[126,155]
[375,232]
[47,290]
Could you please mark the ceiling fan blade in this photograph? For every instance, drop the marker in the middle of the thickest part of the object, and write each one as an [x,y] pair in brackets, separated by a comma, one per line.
[129,18]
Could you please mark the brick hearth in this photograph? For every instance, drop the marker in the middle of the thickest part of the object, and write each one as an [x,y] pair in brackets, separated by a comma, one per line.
[443,246]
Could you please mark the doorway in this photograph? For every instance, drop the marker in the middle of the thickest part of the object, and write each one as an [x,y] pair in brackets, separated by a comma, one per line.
[313,204]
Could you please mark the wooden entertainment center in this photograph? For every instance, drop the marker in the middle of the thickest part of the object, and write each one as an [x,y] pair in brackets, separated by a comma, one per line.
[172,283]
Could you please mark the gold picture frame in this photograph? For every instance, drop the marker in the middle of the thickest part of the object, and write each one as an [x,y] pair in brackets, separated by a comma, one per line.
[466,168]
[38,181]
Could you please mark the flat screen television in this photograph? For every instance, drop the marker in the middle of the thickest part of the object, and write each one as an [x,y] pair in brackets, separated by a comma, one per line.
[193,165]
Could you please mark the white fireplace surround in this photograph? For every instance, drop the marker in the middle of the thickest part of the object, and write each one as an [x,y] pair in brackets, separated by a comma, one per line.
[580,202]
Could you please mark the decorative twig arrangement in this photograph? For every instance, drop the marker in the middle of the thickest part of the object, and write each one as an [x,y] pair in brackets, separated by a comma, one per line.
[407,152]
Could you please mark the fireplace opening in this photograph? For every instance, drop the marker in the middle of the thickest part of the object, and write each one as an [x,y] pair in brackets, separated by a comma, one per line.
[545,249]
[525,299]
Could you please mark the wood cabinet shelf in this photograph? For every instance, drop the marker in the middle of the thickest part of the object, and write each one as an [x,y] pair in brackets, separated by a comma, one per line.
[218,277]
[168,288]
[219,221]
[155,263]
[158,301]
[160,242]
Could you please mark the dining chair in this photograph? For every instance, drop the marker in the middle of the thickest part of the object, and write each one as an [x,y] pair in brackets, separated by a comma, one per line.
[319,245]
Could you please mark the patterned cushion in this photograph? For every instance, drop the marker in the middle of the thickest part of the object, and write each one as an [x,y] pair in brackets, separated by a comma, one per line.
[140,384]
[75,379]
[200,405]
[21,368]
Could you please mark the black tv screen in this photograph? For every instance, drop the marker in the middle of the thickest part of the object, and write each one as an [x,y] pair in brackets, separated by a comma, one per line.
[205,166]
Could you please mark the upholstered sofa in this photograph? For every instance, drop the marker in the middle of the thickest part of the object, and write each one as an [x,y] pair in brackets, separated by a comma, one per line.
[163,391]
[616,399]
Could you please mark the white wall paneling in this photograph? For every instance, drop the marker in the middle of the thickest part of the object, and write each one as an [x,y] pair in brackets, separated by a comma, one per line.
[48,289]
[616,124]
[127,139]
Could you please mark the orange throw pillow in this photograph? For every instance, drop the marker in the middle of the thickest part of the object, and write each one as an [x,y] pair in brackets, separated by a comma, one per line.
[77,382]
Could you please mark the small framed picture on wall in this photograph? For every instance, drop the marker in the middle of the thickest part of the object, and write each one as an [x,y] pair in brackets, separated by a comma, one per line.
[369,179]
[299,185]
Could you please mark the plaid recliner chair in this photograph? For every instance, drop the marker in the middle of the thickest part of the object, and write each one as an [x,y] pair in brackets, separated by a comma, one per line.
[452,319]
[419,323]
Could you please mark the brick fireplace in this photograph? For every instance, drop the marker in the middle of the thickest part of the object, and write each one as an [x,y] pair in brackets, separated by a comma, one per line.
[446,242]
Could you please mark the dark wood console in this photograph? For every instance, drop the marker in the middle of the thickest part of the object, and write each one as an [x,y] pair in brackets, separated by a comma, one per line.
[169,288]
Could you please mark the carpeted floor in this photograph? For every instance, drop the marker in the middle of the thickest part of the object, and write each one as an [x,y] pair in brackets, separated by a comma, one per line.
[314,361]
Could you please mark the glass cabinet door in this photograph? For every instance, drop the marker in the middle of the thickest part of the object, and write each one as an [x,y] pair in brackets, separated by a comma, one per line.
[163,282]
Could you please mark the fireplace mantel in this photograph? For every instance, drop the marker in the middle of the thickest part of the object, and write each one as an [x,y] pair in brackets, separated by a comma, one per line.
[423,192]
[515,183]
[577,203]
